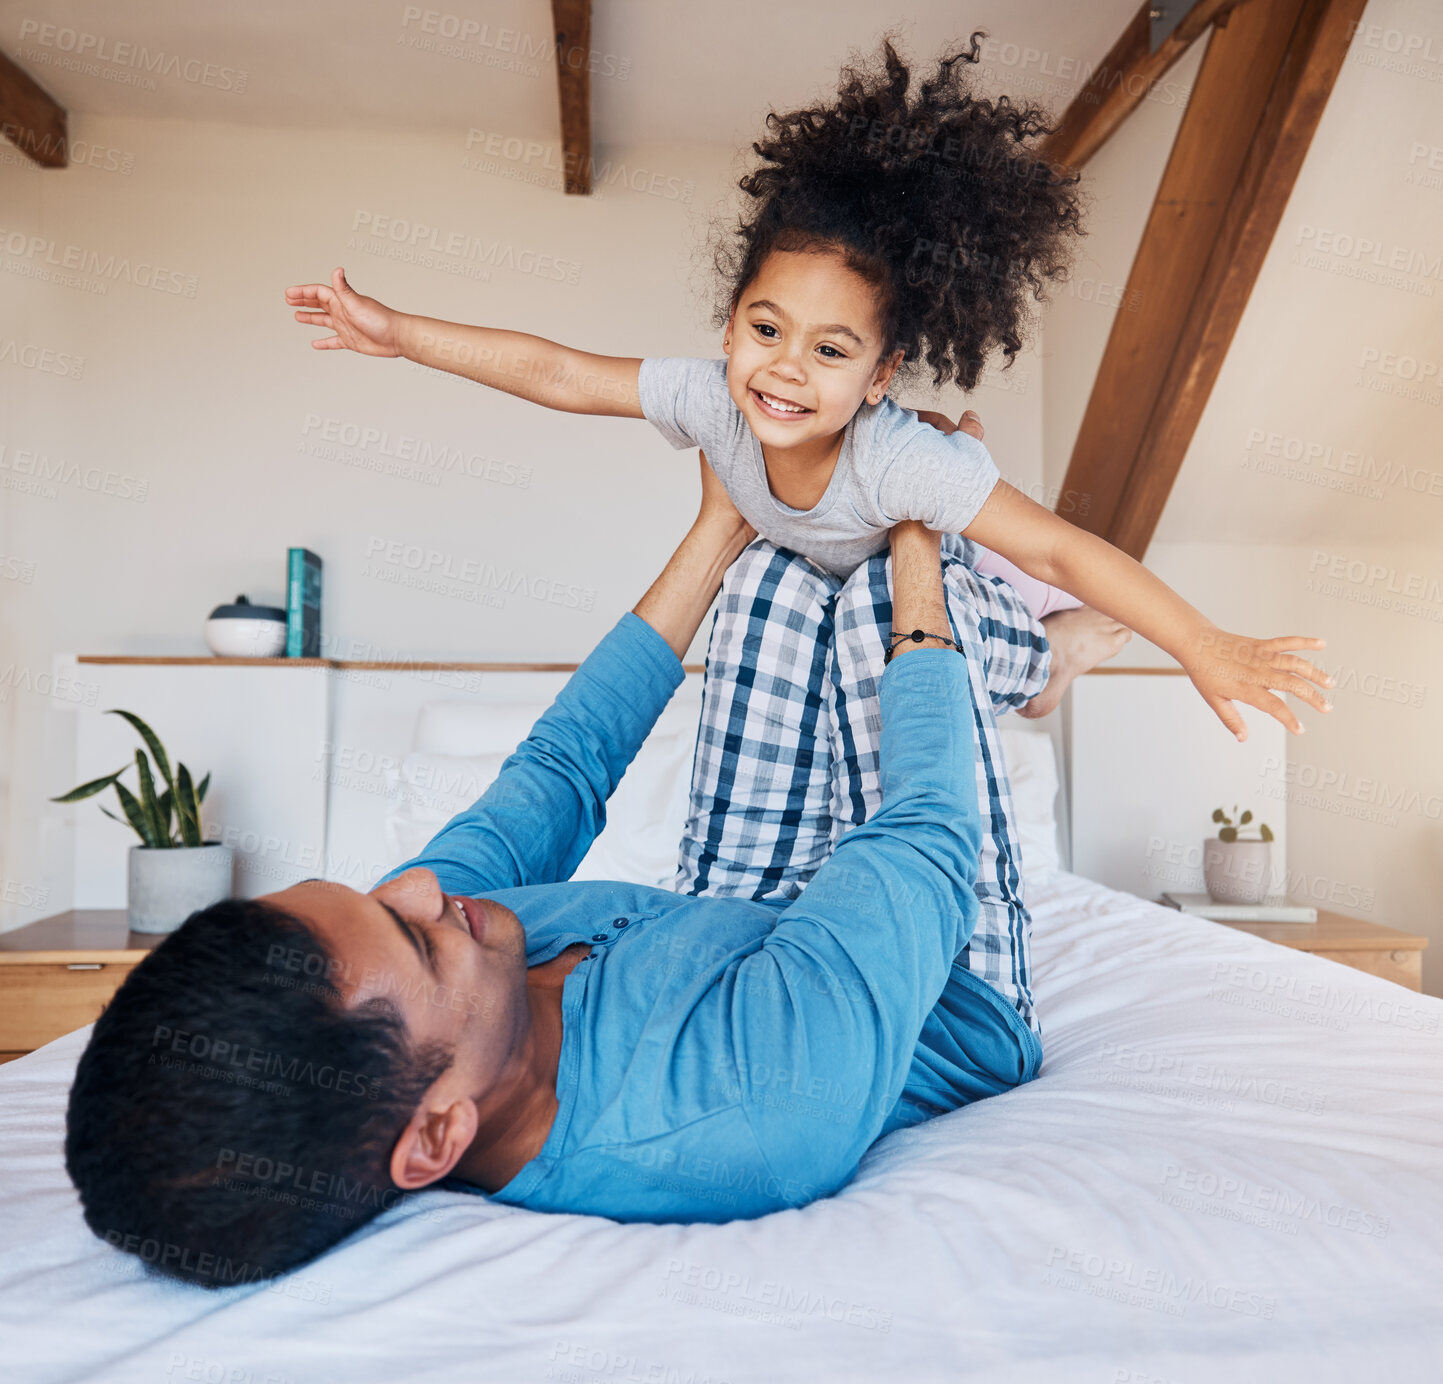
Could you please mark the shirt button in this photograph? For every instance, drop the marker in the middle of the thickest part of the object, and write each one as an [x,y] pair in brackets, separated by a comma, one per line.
[621,922]
[600,937]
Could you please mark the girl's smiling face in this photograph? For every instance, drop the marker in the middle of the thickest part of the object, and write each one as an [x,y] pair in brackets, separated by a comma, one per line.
[804,349]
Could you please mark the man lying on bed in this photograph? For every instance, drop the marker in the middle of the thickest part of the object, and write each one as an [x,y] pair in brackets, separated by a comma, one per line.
[846,951]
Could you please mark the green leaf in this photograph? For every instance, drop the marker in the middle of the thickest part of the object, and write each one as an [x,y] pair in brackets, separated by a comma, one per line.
[1228,834]
[148,800]
[187,810]
[1218,815]
[1245,819]
[166,802]
[135,815]
[89,790]
[112,815]
[152,743]
[200,790]
[1266,832]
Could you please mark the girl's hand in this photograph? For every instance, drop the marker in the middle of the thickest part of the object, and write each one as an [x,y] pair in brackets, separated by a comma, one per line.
[717,507]
[360,324]
[1228,668]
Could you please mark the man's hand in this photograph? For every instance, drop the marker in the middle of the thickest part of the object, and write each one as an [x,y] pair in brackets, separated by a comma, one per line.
[360,324]
[969,422]
[1228,668]
[717,507]
[680,597]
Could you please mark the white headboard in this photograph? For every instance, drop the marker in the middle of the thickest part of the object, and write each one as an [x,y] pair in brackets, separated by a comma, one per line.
[1149,761]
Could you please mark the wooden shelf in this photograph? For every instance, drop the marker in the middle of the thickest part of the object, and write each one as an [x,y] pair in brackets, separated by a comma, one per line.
[1333,932]
[207,661]
[1370,947]
[58,974]
[417,666]
[101,934]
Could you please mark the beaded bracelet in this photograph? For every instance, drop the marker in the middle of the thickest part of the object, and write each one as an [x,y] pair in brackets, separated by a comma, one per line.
[916,636]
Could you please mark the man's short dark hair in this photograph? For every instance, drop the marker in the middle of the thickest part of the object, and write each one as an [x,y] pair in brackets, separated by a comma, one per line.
[230,1119]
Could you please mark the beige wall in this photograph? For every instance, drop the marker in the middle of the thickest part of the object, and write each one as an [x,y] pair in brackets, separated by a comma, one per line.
[193,407]
[213,415]
[1346,541]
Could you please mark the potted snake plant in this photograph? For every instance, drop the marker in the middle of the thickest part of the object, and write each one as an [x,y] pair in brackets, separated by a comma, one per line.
[173,871]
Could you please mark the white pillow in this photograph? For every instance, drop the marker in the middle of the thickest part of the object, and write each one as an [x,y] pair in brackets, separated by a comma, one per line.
[1032,773]
[645,815]
[476,728]
[430,789]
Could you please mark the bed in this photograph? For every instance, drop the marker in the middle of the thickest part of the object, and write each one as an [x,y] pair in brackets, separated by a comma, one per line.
[1230,1168]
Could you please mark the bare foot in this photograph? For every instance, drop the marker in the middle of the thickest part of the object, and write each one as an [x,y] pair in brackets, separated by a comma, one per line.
[1080,639]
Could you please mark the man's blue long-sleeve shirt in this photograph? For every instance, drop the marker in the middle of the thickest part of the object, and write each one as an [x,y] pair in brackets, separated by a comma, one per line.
[723,1058]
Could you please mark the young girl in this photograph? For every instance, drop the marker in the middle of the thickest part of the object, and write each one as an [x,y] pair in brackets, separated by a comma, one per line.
[887,229]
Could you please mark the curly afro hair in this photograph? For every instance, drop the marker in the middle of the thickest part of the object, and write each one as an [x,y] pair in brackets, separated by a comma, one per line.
[935,196]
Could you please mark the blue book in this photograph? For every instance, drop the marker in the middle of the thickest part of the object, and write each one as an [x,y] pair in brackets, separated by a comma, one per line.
[303,604]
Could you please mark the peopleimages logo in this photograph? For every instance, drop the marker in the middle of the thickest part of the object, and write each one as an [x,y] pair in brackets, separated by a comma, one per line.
[1152,1286]
[1375,584]
[433,570]
[1361,788]
[46,359]
[1311,452]
[435,456]
[44,252]
[418,240]
[97,55]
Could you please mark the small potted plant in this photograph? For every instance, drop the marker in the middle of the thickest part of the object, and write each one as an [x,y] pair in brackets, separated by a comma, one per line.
[1238,868]
[173,871]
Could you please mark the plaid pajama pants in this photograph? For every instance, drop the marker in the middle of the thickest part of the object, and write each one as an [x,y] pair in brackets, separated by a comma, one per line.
[787,749]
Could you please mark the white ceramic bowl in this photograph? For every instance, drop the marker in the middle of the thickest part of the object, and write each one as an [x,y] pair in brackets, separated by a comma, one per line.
[246,638]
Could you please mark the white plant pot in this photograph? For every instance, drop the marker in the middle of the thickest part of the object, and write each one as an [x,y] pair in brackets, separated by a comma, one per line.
[245,639]
[167,885]
[1237,871]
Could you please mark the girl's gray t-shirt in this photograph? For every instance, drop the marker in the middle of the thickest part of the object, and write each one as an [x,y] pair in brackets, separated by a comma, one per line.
[891,467]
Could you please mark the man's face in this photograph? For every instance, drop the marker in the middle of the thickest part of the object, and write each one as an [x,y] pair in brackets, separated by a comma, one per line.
[454,967]
[804,349]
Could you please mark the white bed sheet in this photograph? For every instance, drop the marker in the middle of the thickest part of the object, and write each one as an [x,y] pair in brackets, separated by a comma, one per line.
[1230,1169]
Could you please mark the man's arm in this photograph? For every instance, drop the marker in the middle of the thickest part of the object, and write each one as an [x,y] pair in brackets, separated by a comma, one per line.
[538,819]
[677,601]
[839,991]
[530,367]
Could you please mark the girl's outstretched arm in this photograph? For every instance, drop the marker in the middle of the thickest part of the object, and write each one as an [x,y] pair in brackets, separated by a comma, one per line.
[1225,668]
[529,367]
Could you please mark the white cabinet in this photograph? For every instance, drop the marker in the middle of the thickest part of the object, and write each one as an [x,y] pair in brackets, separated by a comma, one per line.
[262,732]
[304,756]
[1149,761]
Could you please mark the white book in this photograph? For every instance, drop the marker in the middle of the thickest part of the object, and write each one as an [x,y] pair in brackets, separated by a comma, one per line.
[1273,910]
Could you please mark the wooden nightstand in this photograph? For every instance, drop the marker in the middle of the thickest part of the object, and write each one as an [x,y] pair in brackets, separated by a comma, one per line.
[58,974]
[1381,951]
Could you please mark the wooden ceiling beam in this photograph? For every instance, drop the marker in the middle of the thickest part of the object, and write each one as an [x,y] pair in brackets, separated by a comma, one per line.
[1122,81]
[1260,92]
[1310,66]
[31,119]
[571,20]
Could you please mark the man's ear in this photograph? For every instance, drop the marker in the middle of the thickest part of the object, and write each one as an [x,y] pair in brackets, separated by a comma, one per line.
[886,368]
[432,1143]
